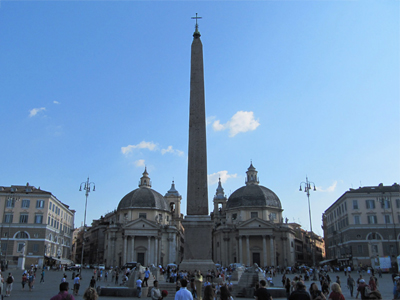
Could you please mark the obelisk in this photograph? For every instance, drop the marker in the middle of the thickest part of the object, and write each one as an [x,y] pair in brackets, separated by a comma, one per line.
[197,223]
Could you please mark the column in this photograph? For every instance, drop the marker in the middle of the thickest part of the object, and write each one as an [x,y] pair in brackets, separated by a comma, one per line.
[125,248]
[148,250]
[237,250]
[272,250]
[132,254]
[264,250]
[284,241]
[240,250]
[156,252]
[248,249]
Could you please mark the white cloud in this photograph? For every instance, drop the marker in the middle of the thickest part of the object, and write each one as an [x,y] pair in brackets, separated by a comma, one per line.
[140,163]
[56,102]
[142,145]
[35,111]
[213,178]
[329,189]
[170,149]
[242,121]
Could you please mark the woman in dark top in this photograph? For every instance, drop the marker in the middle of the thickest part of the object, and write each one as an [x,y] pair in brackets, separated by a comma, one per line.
[315,293]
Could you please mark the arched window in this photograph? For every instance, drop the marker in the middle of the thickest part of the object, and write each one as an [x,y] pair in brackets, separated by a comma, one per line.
[374,236]
[21,235]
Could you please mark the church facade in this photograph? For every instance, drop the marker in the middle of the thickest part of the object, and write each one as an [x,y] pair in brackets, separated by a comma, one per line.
[145,228]
[249,228]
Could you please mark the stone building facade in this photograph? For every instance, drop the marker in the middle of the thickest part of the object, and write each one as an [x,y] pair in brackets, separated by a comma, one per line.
[362,225]
[146,227]
[34,223]
[249,228]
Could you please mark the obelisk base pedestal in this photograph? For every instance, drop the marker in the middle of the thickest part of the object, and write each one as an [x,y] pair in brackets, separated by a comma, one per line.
[198,244]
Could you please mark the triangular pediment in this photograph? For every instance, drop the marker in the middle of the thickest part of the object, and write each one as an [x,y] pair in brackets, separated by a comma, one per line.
[141,224]
[254,223]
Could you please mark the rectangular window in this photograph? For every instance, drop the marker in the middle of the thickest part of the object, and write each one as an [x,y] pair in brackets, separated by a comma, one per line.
[35,248]
[50,205]
[397,203]
[20,247]
[8,218]
[48,220]
[357,220]
[10,203]
[374,248]
[385,204]
[23,218]
[25,203]
[143,215]
[359,249]
[39,203]
[61,227]
[3,247]
[370,204]
[38,219]
[53,207]
[254,214]
[234,216]
[52,221]
[388,220]
[372,219]
[355,204]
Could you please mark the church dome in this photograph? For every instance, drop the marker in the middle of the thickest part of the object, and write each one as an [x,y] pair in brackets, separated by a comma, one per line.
[253,194]
[143,197]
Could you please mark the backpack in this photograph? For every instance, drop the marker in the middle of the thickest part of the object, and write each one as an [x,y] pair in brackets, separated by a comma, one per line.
[9,279]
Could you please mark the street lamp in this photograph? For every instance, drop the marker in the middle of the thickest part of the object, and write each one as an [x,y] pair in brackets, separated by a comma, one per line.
[307,187]
[388,199]
[86,186]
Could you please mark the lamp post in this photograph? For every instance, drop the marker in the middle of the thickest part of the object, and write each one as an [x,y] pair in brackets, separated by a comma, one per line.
[382,200]
[86,186]
[307,187]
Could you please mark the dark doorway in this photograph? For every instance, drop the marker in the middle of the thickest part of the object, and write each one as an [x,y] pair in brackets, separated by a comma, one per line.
[140,258]
[256,258]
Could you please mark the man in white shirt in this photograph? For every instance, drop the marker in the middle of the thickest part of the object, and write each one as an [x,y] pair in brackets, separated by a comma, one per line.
[155,292]
[139,287]
[183,293]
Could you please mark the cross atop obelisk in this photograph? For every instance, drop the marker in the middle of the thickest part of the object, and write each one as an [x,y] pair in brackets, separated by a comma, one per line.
[196,32]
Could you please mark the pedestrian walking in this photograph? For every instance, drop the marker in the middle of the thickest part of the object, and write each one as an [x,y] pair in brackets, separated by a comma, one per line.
[146,277]
[350,284]
[139,288]
[92,282]
[24,280]
[300,292]
[31,280]
[9,284]
[42,277]
[77,284]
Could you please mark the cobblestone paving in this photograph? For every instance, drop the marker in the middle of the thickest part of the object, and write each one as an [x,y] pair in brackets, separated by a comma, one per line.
[44,291]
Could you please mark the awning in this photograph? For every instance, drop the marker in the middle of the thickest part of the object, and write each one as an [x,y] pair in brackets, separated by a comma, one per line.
[64,261]
[326,261]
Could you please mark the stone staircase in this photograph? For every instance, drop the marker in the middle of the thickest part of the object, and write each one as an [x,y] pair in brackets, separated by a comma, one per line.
[169,287]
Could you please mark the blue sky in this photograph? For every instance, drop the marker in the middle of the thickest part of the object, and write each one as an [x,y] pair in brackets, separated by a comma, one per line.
[101,88]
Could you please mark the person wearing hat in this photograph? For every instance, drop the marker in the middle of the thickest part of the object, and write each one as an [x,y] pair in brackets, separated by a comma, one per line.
[361,289]
[300,292]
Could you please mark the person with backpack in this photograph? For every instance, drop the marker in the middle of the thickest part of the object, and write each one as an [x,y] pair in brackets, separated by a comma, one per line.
[31,280]
[9,282]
